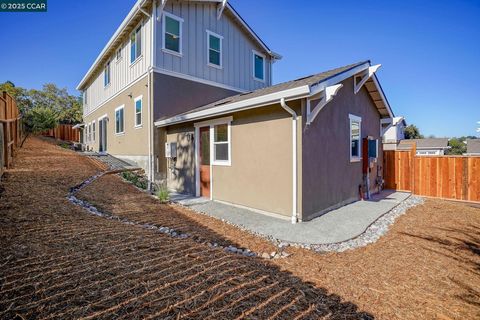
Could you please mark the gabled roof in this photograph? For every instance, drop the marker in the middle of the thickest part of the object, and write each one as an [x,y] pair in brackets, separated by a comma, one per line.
[135,14]
[473,146]
[295,89]
[428,143]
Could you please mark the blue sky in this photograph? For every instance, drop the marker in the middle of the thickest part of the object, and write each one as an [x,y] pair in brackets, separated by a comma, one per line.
[429,50]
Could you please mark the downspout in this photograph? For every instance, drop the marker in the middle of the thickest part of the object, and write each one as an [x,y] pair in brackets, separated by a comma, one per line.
[294,158]
[149,97]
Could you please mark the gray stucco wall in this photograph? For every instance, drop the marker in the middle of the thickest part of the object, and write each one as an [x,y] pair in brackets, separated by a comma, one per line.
[172,95]
[329,178]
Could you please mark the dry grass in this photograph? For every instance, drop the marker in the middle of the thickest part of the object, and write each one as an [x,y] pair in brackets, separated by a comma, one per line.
[59,262]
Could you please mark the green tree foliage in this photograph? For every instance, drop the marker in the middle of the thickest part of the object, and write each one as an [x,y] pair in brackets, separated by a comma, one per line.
[68,108]
[412,132]
[457,146]
[40,119]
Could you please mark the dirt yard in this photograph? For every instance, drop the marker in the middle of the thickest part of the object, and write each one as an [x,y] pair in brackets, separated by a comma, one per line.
[57,261]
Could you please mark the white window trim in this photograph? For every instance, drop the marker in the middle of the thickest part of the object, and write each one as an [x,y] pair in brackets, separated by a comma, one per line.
[140,25]
[106,85]
[94,130]
[255,52]
[180,46]
[354,118]
[115,123]
[211,33]
[135,112]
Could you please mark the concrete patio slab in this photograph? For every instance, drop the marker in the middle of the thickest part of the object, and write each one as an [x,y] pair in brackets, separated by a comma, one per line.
[335,226]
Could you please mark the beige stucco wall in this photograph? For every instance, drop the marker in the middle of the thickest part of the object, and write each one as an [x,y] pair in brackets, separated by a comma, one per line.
[133,143]
[260,175]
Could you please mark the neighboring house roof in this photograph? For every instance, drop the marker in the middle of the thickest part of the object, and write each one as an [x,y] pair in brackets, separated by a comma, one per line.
[291,90]
[473,146]
[429,143]
[131,20]
[398,120]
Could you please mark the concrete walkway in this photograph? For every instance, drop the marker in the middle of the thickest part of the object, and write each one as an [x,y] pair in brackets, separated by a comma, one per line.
[335,226]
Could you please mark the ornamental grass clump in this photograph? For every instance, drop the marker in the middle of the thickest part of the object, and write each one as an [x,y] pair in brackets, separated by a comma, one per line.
[162,193]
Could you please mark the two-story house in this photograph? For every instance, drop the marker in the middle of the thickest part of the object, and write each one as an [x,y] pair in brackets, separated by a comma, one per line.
[167,57]
[184,89]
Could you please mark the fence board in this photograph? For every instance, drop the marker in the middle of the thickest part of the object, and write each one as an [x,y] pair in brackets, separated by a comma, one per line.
[11,130]
[64,132]
[449,177]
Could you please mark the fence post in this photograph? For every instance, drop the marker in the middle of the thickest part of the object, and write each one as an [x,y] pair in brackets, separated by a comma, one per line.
[413,153]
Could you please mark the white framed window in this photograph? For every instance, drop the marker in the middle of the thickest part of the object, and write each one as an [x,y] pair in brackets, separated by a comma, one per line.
[355,138]
[258,66]
[106,75]
[89,132]
[214,49]
[138,103]
[221,143]
[119,54]
[172,34]
[93,131]
[136,44]
[120,120]
[85,97]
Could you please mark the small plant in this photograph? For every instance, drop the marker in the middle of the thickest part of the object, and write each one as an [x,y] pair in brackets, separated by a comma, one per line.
[162,193]
[138,180]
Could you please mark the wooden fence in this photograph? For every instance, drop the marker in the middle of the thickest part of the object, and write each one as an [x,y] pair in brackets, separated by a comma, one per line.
[10,130]
[447,177]
[64,132]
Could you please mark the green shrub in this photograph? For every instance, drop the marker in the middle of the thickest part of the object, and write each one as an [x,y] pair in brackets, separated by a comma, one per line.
[162,193]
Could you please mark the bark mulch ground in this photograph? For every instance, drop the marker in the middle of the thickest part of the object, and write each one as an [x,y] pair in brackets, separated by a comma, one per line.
[59,262]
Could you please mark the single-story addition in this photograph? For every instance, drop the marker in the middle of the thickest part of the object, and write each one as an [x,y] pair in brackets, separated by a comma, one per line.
[296,149]
[426,147]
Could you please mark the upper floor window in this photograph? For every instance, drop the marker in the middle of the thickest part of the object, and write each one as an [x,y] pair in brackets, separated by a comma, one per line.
[355,138]
[214,44]
[85,97]
[119,120]
[136,44]
[138,111]
[106,75]
[258,66]
[172,33]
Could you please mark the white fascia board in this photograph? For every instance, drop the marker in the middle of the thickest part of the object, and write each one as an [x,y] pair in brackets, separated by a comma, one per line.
[382,95]
[268,99]
[135,9]
[319,87]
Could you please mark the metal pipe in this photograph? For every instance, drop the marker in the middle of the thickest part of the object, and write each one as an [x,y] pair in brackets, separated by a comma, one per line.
[294,158]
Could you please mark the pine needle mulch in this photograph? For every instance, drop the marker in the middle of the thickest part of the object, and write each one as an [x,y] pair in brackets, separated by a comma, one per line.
[56,261]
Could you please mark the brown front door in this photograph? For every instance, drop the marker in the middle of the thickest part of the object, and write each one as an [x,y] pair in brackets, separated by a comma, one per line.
[205,162]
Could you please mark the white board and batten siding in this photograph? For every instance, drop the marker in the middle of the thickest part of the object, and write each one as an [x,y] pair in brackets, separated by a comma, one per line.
[238,46]
[122,72]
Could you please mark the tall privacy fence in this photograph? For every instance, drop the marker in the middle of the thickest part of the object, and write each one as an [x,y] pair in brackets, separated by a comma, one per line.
[11,130]
[64,132]
[447,177]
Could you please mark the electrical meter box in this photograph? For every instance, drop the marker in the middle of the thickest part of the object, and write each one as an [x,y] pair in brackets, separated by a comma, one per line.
[170,150]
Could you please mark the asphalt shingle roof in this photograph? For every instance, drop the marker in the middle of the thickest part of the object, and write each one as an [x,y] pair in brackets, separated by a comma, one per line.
[309,80]
[428,143]
[473,146]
